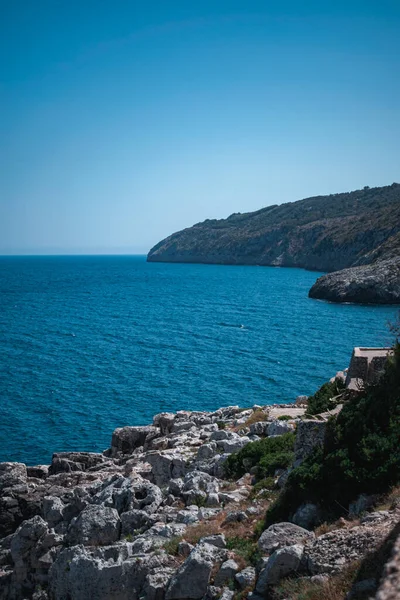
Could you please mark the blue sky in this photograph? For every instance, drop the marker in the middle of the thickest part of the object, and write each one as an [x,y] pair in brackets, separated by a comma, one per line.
[122,122]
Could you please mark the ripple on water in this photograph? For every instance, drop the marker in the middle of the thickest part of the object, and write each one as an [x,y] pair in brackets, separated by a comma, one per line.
[93,343]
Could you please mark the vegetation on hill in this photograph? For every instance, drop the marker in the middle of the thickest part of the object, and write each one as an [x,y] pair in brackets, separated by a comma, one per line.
[267,454]
[321,401]
[323,233]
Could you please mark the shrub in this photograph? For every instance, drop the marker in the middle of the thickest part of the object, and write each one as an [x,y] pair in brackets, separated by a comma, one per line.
[321,400]
[268,454]
[285,418]
[361,452]
[172,545]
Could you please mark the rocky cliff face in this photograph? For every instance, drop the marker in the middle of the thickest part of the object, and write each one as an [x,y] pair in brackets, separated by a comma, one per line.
[326,233]
[154,517]
[378,283]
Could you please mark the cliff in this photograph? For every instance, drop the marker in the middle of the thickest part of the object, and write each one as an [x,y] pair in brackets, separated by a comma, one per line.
[326,233]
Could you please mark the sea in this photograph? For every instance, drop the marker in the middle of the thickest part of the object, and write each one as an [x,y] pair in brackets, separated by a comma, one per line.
[91,343]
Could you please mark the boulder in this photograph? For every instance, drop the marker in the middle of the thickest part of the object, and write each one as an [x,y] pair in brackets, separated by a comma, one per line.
[283,534]
[226,573]
[104,573]
[67,462]
[95,526]
[156,584]
[12,475]
[246,578]
[166,465]
[126,439]
[192,578]
[279,427]
[282,563]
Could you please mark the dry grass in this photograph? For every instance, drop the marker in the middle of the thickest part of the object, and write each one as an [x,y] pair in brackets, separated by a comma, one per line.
[257,416]
[339,524]
[389,501]
[335,588]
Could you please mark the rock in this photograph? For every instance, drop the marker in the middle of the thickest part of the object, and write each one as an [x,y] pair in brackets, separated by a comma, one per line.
[102,573]
[166,465]
[12,475]
[233,445]
[279,428]
[133,520]
[389,588]
[306,516]
[67,462]
[221,434]
[226,572]
[259,428]
[123,493]
[126,439]
[156,584]
[53,510]
[212,499]
[95,526]
[192,578]
[207,451]
[180,426]
[377,283]
[214,540]
[184,548]
[165,421]
[227,594]
[32,555]
[38,472]
[237,516]
[283,534]
[176,487]
[246,578]
[330,552]
[282,563]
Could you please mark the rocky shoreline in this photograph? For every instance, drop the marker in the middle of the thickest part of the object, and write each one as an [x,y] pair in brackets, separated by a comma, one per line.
[155,516]
[378,283]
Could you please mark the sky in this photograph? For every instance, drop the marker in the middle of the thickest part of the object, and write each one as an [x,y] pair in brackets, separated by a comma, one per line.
[122,122]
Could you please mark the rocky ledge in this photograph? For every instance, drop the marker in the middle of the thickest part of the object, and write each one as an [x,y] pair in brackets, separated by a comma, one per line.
[155,517]
[378,283]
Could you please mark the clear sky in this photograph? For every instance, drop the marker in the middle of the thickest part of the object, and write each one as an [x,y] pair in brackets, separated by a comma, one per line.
[124,121]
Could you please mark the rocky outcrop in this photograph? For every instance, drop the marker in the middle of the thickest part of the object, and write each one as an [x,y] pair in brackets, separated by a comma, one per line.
[325,233]
[117,525]
[378,283]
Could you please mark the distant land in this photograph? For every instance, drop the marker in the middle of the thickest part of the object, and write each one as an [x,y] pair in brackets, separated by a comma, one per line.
[354,234]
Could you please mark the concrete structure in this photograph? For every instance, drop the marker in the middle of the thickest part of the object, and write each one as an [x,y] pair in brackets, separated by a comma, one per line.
[366,366]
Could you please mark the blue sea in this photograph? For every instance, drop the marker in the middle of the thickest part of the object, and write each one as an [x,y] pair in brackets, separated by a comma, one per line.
[88,344]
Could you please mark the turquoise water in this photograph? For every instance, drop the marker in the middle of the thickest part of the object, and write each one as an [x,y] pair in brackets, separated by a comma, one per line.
[92,343]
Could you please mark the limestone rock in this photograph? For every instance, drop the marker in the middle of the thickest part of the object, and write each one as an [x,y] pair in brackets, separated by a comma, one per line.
[192,578]
[283,562]
[126,439]
[95,526]
[246,577]
[226,572]
[283,534]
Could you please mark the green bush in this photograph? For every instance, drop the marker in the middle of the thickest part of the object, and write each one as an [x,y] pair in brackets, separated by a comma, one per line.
[285,418]
[267,454]
[321,400]
[361,452]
